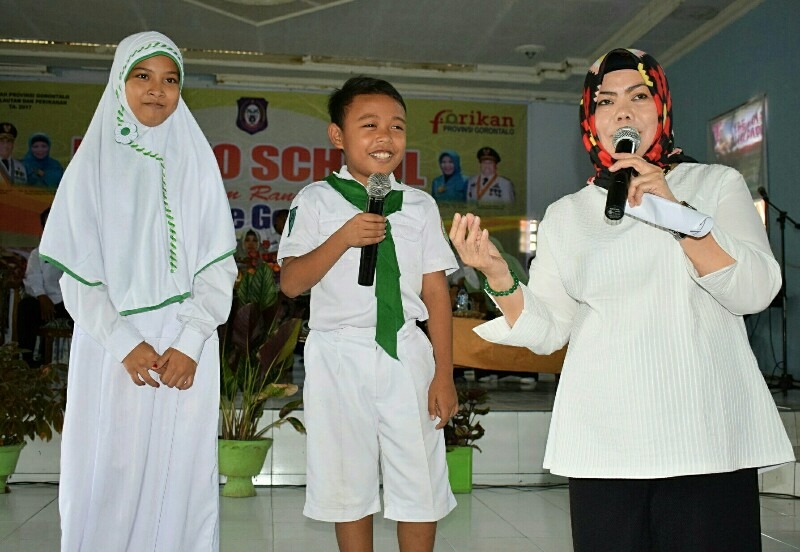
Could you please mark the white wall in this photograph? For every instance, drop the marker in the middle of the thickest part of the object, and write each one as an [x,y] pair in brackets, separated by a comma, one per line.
[557,162]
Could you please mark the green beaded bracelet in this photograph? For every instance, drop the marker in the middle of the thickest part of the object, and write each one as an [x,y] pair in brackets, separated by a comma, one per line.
[509,291]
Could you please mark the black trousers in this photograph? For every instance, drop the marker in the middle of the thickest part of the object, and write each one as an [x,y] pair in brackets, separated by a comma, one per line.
[29,320]
[703,513]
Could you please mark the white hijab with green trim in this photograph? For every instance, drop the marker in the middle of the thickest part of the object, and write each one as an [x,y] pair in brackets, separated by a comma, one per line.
[139,209]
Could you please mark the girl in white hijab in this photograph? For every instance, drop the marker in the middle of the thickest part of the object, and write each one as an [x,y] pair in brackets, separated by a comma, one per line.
[142,229]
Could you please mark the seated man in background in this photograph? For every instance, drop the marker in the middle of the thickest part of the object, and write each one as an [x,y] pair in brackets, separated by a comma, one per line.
[42,302]
[506,376]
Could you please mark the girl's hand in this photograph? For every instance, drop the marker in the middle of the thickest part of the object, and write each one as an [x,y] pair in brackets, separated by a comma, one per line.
[176,369]
[474,246]
[650,179]
[139,362]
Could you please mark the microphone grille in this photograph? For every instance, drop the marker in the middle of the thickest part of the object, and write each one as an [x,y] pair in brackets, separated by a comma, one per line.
[378,185]
[627,133]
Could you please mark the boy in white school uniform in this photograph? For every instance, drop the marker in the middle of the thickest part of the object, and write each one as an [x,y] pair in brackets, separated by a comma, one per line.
[377,391]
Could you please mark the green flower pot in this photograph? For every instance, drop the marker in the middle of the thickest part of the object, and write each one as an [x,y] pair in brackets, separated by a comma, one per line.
[239,461]
[459,469]
[9,455]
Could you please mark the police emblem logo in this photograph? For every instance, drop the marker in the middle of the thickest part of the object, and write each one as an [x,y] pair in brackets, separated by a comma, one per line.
[252,115]
[8,130]
[488,153]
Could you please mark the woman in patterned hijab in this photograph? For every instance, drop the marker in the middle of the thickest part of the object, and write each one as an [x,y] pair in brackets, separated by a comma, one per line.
[661,151]
[662,417]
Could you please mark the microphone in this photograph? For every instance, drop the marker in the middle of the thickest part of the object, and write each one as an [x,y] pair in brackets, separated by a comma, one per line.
[626,140]
[763,193]
[378,185]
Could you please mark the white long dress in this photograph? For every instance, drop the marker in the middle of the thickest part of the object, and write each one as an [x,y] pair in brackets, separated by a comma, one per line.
[139,464]
[142,229]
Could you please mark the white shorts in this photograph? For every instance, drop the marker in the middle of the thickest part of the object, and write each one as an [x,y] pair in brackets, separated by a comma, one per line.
[362,408]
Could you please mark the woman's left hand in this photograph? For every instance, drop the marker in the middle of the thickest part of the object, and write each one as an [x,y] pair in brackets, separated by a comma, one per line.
[176,369]
[650,180]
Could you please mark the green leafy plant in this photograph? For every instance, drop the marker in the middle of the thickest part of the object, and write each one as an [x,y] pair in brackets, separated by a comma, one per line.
[258,347]
[32,400]
[464,429]
[258,286]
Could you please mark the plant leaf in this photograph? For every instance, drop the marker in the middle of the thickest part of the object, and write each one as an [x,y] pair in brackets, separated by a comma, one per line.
[279,346]
[297,424]
[277,391]
[248,326]
[289,407]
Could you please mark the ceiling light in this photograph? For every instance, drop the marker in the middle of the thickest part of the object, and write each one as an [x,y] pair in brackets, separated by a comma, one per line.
[530,51]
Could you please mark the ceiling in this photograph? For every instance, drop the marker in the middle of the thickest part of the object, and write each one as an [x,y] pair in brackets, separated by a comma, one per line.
[504,49]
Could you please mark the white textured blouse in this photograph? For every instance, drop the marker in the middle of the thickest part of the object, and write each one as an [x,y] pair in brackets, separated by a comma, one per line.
[659,378]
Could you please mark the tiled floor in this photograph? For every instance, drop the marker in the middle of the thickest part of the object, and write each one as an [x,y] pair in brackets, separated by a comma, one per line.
[496,519]
[490,519]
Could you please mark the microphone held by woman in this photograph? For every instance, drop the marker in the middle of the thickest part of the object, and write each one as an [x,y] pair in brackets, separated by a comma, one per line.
[626,140]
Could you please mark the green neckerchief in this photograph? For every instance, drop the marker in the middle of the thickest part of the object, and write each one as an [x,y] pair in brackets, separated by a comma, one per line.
[387,271]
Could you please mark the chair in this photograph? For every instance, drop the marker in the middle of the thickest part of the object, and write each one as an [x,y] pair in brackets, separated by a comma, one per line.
[8,303]
[49,335]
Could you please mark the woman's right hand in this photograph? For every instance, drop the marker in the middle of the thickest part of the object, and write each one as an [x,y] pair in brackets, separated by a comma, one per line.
[477,250]
[474,246]
[139,362]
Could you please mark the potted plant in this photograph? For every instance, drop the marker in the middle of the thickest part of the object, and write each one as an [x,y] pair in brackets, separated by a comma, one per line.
[32,403]
[460,435]
[258,346]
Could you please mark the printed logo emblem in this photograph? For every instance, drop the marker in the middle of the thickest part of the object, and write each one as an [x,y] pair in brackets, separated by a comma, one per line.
[292,214]
[252,116]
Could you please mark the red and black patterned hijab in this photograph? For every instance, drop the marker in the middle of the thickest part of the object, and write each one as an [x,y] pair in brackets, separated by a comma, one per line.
[663,151]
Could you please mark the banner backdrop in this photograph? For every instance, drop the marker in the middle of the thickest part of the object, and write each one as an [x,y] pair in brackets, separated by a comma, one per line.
[270,144]
[738,138]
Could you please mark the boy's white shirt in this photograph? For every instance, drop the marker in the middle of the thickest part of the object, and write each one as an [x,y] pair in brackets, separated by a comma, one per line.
[337,301]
